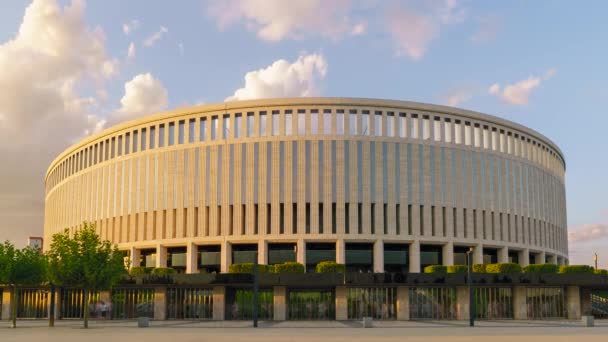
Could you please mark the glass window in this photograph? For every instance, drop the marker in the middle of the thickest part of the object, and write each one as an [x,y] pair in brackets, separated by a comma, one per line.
[181,131]
[314,121]
[378,124]
[494,139]
[340,122]
[414,126]
[263,124]
[458,132]
[203,129]
[365,129]
[437,129]
[426,128]
[112,149]
[171,134]
[250,124]
[226,124]
[191,130]
[127,143]
[214,124]
[238,125]
[143,139]
[477,135]
[301,122]
[486,137]
[135,136]
[119,148]
[390,124]
[276,119]
[327,121]
[502,141]
[152,136]
[467,133]
[288,122]
[447,129]
[402,125]
[353,122]
[161,135]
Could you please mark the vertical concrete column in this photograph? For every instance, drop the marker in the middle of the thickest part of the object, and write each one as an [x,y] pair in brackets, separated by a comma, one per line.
[6,303]
[524,257]
[573,297]
[403,303]
[585,299]
[280,303]
[478,254]
[340,251]
[448,254]
[301,252]
[414,251]
[553,259]
[192,258]
[263,252]
[160,303]
[379,256]
[135,256]
[541,257]
[462,302]
[225,256]
[219,303]
[520,306]
[341,304]
[161,256]
[503,255]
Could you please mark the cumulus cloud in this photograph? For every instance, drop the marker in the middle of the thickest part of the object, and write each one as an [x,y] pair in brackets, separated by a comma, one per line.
[458,95]
[275,20]
[415,26]
[144,95]
[131,51]
[519,93]
[131,26]
[150,41]
[588,232]
[284,79]
[53,52]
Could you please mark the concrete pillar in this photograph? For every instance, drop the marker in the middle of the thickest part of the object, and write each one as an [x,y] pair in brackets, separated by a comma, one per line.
[160,303]
[161,256]
[301,252]
[585,299]
[414,251]
[541,258]
[503,255]
[462,302]
[553,259]
[280,303]
[573,297]
[340,251]
[225,256]
[448,254]
[192,258]
[478,254]
[524,257]
[403,303]
[263,252]
[135,256]
[219,303]
[379,256]
[520,306]
[6,303]
[341,304]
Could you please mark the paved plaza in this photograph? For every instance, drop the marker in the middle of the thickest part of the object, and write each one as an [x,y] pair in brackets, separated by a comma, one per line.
[185,331]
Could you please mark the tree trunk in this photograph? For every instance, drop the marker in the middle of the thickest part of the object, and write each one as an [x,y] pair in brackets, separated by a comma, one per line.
[52,307]
[14,299]
[86,309]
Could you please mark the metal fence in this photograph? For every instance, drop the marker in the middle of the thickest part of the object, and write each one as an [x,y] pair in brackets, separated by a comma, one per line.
[72,305]
[32,303]
[432,303]
[546,303]
[376,302]
[189,303]
[493,303]
[311,305]
[130,303]
[239,306]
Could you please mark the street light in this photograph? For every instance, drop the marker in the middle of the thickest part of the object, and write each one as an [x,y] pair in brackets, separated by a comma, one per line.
[470,284]
[595,260]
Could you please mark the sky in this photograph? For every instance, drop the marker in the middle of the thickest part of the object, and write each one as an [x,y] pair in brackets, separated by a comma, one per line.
[71,68]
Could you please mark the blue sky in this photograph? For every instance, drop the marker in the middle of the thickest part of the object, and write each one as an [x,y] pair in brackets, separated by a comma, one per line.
[551,55]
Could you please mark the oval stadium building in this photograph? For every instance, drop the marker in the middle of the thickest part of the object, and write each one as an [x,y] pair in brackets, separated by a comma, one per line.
[380,185]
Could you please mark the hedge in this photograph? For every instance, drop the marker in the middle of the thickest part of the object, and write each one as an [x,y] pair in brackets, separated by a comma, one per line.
[576,269]
[163,271]
[247,267]
[436,269]
[289,267]
[139,270]
[507,267]
[330,267]
[479,268]
[541,268]
[458,269]
[600,271]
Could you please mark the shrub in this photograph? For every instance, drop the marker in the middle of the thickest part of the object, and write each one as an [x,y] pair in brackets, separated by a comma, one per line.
[330,267]
[247,267]
[163,271]
[436,269]
[600,271]
[508,267]
[541,268]
[479,268]
[576,269]
[458,269]
[138,270]
[289,267]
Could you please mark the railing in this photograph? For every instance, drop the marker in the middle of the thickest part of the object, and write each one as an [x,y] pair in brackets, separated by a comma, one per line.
[190,303]
[72,304]
[32,303]
[599,306]
[432,303]
[239,306]
[546,303]
[311,305]
[129,303]
[376,302]
[493,303]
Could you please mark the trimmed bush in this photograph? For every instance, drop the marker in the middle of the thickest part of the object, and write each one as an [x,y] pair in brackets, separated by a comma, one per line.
[163,271]
[247,267]
[541,268]
[600,271]
[436,269]
[139,270]
[479,268]
[576,269]
[330,267]
[507,267]
[289,267]
[458,269]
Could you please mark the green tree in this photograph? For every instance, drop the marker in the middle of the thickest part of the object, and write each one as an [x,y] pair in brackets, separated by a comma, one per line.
[20,267]
[85,261]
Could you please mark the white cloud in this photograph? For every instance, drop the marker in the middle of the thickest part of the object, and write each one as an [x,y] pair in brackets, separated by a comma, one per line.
[275,20]
[150,41]
[458,95]
[284,79]
[144,95]
[131,51]
[131,26]
[588,232]
[53,52]
[519,93]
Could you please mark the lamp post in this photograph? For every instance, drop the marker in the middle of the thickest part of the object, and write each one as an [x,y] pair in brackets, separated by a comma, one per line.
[595,260]
[470,284]
[255,290]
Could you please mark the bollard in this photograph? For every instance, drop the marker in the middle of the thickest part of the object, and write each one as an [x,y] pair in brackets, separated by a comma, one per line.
[143,322]
[367,322]
[587,321]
